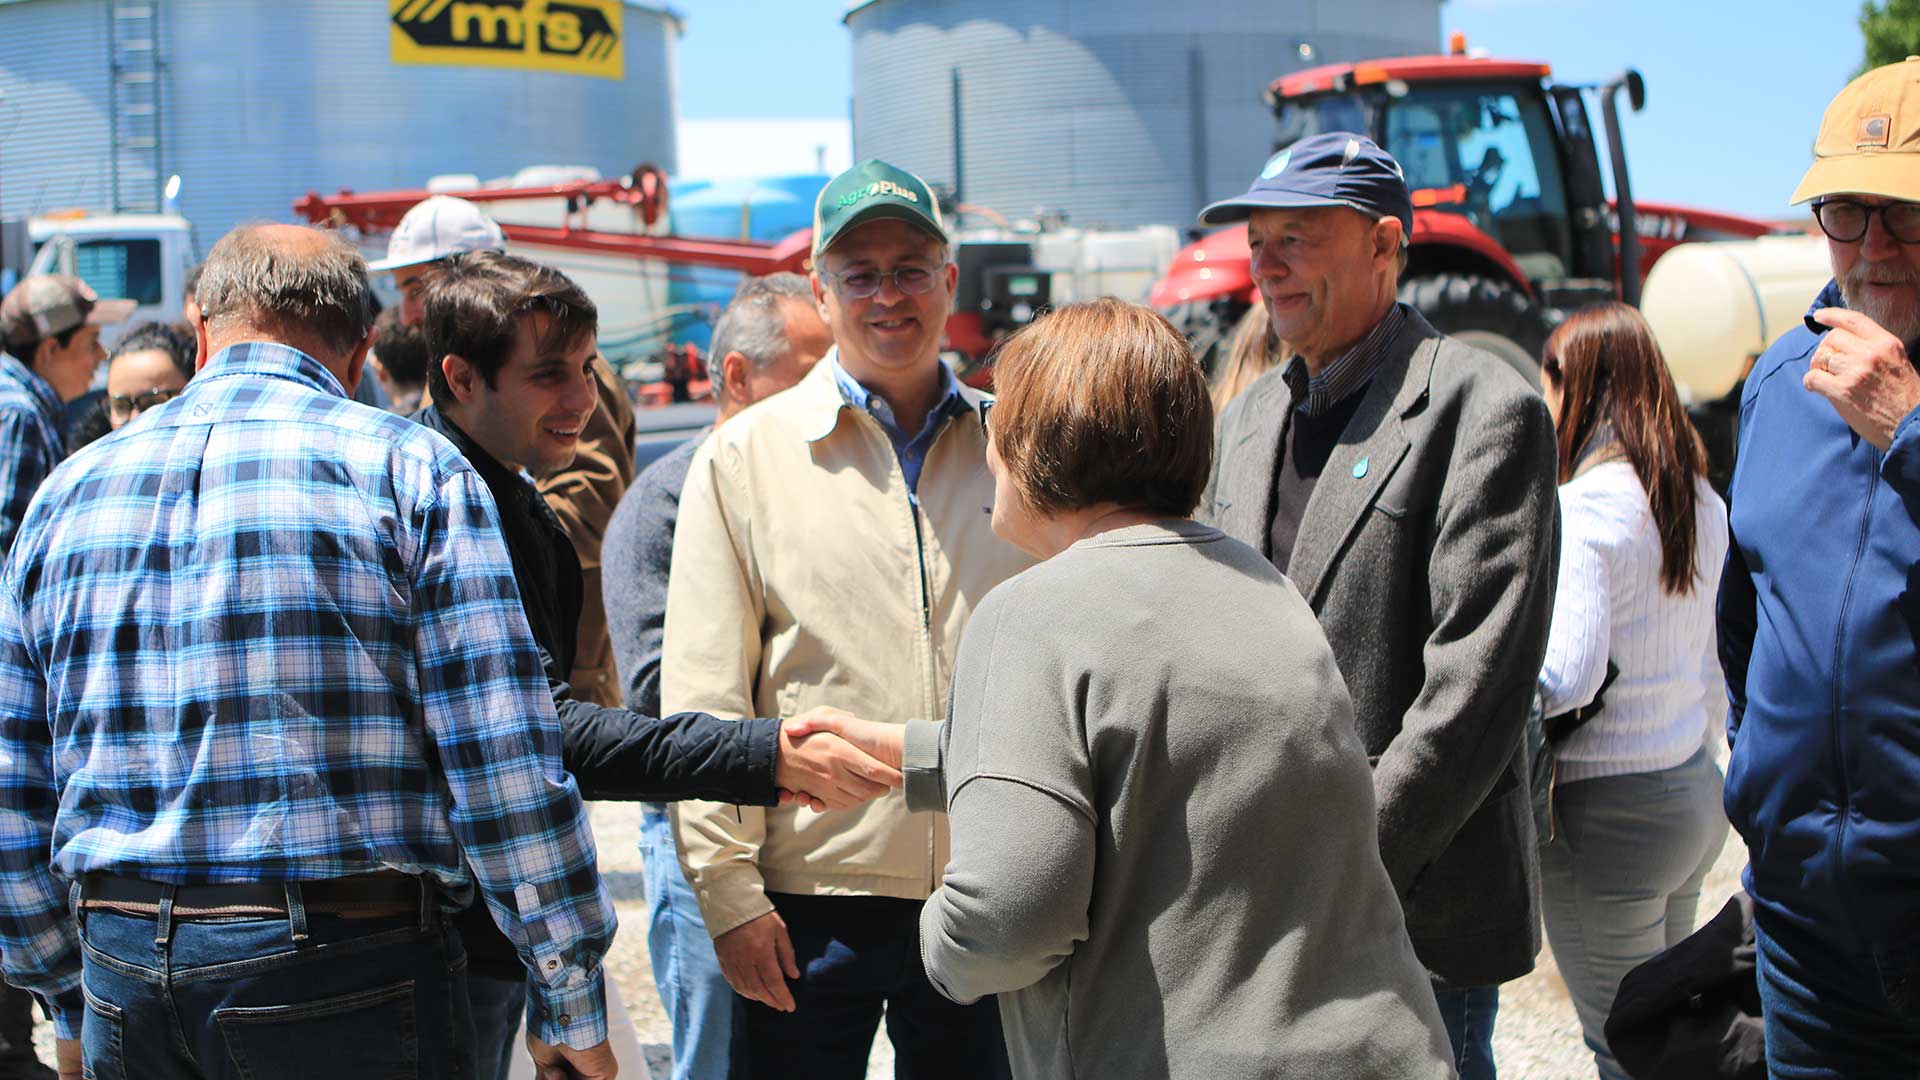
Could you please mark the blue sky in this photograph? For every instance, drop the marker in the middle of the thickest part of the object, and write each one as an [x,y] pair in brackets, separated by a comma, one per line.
[1735,88]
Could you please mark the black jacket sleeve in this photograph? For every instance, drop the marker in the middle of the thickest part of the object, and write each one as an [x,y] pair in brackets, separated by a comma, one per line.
[1737,618]
[625,756]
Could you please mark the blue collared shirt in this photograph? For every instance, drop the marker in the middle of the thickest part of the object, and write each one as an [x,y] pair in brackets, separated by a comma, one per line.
[269,633]
[32,441]
[912,451]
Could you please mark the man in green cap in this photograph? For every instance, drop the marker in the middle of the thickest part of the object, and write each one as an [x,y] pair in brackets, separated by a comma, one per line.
[829,551]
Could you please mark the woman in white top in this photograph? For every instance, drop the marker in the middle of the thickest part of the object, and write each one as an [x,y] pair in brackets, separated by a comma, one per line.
[1636,798]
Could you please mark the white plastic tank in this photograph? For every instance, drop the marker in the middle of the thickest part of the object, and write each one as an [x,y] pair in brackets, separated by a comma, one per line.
[1090,263]
[1715,307]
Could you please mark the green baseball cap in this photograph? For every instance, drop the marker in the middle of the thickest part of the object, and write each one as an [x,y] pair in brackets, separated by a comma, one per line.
[871,191]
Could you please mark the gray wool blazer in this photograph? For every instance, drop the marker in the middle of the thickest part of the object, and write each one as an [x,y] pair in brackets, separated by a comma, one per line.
[1428,550]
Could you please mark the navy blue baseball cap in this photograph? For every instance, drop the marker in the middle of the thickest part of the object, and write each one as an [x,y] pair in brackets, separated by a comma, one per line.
[1337,168]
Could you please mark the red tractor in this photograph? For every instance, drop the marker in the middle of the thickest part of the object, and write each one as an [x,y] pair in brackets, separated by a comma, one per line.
[1512,226]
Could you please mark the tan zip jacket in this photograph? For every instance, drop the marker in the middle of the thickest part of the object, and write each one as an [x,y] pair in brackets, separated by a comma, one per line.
[803,575]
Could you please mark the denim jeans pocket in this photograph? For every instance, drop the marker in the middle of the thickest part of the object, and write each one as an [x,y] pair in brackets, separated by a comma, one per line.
[369,1033]
[102,1053]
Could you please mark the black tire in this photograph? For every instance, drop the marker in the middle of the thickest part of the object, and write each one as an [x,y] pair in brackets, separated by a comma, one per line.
[1484,312]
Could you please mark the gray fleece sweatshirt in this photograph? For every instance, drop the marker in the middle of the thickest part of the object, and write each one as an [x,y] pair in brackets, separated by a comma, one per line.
[1164,853]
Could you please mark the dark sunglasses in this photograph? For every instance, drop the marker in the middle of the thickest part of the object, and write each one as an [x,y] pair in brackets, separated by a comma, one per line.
[1846,221]
[125,408]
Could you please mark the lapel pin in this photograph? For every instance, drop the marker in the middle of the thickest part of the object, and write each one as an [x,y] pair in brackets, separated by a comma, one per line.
[1360,468]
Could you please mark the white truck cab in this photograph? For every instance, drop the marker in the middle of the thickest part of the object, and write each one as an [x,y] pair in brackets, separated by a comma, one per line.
[138,257]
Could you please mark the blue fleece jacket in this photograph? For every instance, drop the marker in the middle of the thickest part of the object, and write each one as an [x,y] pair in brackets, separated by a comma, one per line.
[1820,639]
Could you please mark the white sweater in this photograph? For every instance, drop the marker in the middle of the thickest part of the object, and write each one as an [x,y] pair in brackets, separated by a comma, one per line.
[1610,605]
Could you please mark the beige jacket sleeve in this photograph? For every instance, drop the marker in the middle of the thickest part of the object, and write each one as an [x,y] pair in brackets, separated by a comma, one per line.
[710,663]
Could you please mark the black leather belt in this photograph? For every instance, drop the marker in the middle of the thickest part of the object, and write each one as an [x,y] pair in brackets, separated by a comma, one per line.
[364,896]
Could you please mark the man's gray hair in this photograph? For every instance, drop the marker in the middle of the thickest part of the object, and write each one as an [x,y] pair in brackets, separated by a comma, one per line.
[320,288]
[754,325]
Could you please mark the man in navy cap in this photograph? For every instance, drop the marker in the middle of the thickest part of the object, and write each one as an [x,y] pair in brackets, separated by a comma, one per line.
[1405,482]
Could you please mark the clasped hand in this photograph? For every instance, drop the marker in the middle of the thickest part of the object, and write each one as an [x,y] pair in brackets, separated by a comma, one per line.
[826,760]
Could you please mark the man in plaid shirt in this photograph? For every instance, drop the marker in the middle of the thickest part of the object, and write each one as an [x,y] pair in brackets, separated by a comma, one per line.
[269,699]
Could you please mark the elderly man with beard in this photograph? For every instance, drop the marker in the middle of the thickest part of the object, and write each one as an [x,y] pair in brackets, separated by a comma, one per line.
[1820,616]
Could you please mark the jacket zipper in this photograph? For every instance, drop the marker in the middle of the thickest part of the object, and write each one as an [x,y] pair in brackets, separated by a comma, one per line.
[929,666]
[1839,643]
[928,662]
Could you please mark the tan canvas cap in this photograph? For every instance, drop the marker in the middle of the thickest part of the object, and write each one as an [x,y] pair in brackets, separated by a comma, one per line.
[1869,143]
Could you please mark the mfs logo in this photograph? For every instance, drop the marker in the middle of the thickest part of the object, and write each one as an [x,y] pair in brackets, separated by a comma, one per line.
[581,37]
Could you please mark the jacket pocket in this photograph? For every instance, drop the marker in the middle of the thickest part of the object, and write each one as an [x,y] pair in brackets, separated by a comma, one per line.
[1898,964]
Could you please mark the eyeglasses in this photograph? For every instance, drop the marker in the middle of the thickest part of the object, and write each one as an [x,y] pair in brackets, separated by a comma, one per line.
[126,408]
[860,284]
[985,408]
[1846,221]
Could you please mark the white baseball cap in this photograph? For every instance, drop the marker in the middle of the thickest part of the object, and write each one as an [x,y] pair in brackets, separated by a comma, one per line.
[439,227]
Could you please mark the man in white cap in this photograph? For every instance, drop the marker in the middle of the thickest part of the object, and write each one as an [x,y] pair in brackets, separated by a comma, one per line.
[433,230]
[1820,615]
[584,494]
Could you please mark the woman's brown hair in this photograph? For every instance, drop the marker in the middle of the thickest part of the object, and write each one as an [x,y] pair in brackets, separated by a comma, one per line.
[1102,402]
[1610,373]
[1252,351]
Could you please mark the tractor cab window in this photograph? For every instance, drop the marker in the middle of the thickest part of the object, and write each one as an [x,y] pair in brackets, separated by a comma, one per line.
[1317,116]
[1490,157]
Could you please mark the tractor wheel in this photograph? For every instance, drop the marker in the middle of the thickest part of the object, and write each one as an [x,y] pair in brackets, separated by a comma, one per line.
[1483,312]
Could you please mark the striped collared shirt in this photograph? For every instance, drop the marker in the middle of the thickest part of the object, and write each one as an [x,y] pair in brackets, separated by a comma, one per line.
[1347,374]
[32,441]
[269,633]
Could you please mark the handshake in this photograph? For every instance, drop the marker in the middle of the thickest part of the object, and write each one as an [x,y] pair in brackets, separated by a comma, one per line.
[832,760]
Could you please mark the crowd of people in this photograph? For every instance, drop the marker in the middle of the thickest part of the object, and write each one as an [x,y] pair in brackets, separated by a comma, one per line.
[1254,729]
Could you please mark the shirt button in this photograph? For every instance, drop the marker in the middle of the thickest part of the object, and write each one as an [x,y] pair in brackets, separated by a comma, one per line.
[565,1019]
[552,964]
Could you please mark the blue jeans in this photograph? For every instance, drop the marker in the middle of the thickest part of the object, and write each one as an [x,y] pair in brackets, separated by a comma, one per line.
[498,1007]
[241,999]
[1469,1015]
[699,1003]
[859,956]
[1835,1007]
[1621,880]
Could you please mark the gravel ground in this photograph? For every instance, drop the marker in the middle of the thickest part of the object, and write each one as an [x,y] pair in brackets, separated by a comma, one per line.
[1536,1038]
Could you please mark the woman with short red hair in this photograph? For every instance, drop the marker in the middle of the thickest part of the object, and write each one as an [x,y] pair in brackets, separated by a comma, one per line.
[1164,854]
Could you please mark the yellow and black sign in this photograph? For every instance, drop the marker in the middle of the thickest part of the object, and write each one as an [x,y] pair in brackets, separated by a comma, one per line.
[574,37]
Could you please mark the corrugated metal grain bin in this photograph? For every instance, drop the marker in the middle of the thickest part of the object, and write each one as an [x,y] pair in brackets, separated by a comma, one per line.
[1118,112]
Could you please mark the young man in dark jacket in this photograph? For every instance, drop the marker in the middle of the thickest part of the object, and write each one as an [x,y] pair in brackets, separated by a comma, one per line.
[512,348]
[1820,616]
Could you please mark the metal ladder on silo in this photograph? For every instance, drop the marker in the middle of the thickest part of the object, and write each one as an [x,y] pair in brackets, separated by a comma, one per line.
[134,60]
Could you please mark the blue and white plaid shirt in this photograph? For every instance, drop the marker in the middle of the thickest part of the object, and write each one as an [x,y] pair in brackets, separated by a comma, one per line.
[32,441]
[269,633]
